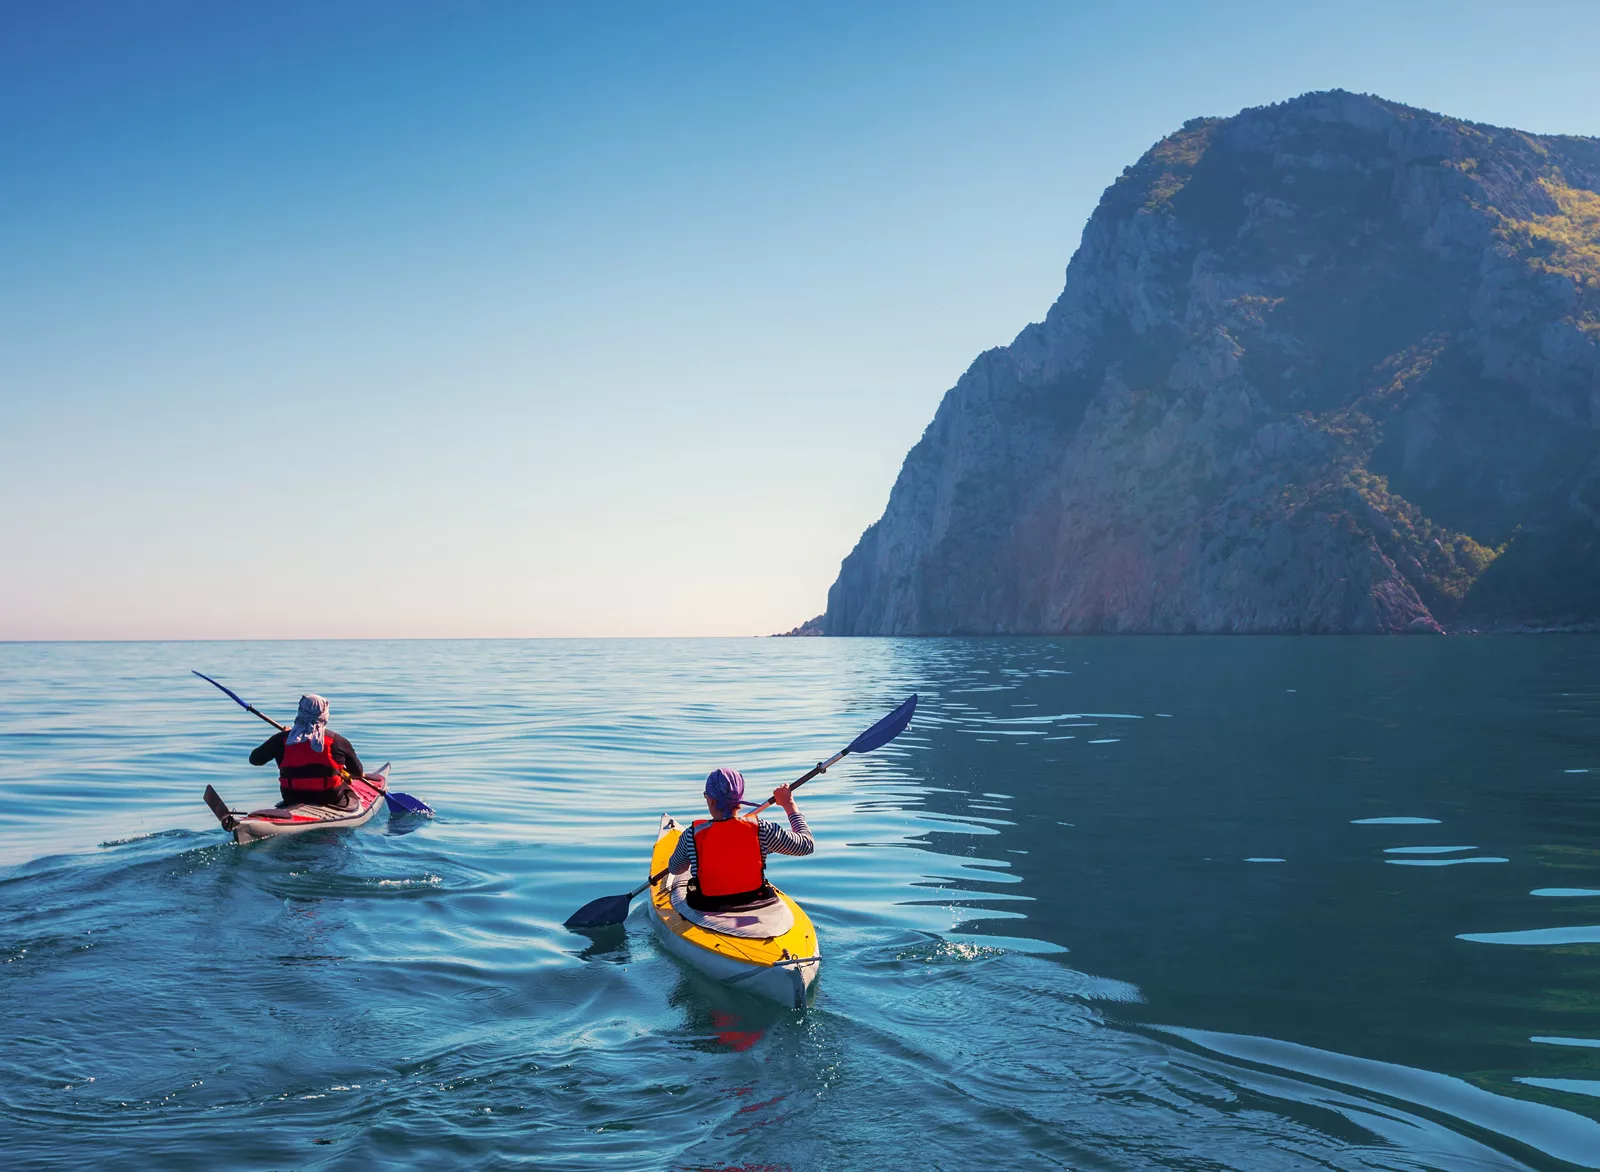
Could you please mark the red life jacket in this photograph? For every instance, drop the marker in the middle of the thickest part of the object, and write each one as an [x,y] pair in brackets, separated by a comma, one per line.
[305,770]
[727,857]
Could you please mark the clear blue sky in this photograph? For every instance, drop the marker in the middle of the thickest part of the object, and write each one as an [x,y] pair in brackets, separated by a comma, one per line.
[393,319]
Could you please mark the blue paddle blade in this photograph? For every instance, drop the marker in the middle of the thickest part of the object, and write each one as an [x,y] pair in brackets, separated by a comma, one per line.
[406,804]
[885,730]
[234,696]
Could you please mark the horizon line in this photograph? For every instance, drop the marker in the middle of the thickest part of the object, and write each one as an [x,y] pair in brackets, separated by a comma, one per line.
[380,638]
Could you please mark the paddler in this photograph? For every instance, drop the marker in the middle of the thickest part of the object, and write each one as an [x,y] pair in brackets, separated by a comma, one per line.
[315,764]
[726,854]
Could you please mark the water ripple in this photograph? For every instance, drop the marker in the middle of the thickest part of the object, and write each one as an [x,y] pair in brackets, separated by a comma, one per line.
[1018,931]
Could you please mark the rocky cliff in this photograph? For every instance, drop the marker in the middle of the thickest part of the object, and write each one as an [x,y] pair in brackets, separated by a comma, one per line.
[1330,365]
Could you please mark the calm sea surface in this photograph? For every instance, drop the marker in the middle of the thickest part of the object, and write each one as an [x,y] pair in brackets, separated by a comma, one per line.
[1109,904]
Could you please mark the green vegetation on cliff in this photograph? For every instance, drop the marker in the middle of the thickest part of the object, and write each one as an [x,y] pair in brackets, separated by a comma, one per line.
[1327,365]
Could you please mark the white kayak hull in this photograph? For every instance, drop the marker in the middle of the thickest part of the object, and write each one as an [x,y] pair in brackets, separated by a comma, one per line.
[276,821]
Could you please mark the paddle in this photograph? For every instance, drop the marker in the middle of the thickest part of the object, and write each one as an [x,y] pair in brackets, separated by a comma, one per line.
[613,909]
[398,803]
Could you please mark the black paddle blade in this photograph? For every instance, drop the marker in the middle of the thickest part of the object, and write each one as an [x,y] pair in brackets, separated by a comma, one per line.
[597,913]
[220,809]
[885,730]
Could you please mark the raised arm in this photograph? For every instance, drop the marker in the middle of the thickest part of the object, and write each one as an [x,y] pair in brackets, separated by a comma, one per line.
[796,838]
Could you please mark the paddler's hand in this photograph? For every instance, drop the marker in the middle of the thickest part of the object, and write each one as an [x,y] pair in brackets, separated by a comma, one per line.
[784,798]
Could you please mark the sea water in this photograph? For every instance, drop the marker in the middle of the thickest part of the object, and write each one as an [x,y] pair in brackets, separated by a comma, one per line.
[1114,903]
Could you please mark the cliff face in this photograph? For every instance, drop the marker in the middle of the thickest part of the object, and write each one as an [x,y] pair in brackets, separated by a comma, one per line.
[1330,365]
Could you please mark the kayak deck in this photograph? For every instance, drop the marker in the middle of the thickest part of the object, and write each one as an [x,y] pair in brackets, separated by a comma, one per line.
[780,968]
[367,792]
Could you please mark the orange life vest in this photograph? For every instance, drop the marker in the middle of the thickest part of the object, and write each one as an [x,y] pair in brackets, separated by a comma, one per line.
[727,857]
[305,770]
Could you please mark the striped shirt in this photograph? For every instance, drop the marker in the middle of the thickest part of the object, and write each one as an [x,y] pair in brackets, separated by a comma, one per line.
[795,839]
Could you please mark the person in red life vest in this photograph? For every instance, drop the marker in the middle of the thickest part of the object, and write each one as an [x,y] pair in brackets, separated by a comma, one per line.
[726,854]
[315,763]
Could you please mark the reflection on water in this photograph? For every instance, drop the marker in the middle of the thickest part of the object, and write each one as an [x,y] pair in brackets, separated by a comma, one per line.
[1394,821]
[1425,850]
[1587,934]
[1040,933]
[1575,1086]
[1557,1133]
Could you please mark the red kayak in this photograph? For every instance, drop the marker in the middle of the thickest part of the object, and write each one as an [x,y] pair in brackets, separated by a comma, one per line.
[366,795]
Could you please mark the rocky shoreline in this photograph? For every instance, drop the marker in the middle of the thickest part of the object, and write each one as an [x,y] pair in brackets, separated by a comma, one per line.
[812,629]
[1329,366]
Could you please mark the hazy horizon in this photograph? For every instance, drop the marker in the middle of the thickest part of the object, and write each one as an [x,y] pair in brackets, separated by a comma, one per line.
[501,321]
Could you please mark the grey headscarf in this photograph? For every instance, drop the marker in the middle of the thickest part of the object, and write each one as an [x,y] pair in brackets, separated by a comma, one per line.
[310,723]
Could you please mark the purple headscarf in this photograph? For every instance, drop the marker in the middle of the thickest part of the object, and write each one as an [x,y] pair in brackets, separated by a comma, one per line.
[725,788]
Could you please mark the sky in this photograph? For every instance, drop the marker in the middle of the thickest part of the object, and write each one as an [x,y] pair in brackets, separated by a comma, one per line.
[456,319]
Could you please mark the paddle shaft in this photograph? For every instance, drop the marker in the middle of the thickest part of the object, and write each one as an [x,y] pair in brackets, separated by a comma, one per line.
[234,696]
[816,770]
[265,717]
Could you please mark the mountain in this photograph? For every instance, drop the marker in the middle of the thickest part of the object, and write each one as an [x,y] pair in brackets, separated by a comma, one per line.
[1331,365]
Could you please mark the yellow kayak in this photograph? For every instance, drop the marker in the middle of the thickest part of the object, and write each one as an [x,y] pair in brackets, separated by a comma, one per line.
[771,951]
